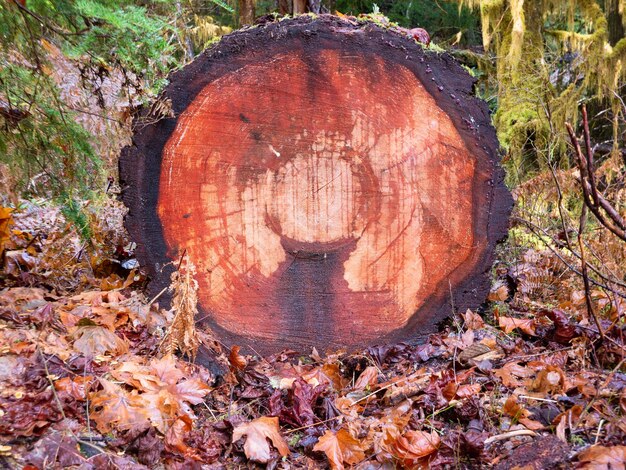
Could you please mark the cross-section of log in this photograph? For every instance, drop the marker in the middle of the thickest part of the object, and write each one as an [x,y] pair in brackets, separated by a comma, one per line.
[335,184]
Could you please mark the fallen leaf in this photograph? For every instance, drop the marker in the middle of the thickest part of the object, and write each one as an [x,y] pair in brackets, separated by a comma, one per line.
[549,380]
[511,373]
[297,407]
[468,390]
[166,369]
[95,340]
[340,448]
[564,332]
[257,433]
[603,458]
[76,387]
[509,324]
[325,374]
[5,223]
[114,408]
[499,292]
[514,409]
[175,439]
[472,320]
[237,361]
[414,446]
[368,378]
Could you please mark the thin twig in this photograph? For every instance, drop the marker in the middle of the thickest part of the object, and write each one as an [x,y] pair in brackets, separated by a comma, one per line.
[535,229]
[585,273]
[508,435]
[592,197]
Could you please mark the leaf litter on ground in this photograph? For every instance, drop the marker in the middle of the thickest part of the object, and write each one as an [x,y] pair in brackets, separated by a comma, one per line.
[84,379]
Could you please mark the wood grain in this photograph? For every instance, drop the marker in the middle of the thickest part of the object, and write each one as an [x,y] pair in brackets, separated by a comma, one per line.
[327,195]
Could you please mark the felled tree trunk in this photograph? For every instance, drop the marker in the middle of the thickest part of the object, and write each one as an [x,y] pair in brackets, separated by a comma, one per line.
[334,183]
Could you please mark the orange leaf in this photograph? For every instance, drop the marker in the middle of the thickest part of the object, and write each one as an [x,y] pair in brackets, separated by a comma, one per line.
[603,458]
[94,340]
[468,390]
[367,378]
[416,445]
[514,409]
[340,448]
[113,407]
[76,388]
[138,376]
[237,361]
[326,374]
[549,380]
[257,433]
[499,292]
[166,370]
[531,424]
[511,372]
[175,439]
[5,222]
[508,324]
[171,402]
[472,320]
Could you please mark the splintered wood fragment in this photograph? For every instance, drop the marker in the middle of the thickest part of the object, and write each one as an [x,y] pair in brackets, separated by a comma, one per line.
[334,184]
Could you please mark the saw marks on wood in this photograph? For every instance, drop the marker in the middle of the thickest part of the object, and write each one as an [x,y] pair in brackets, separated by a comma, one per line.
[317,192]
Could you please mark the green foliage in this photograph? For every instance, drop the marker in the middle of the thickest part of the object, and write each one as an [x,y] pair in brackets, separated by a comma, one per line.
[73,212]
[550,56]
[46,150]
[444,20]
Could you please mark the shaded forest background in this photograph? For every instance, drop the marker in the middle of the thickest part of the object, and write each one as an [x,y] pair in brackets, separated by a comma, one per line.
[75,72]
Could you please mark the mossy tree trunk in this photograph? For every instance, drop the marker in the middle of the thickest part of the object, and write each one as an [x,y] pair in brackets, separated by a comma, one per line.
[614,19]
[246,12]
[522,83]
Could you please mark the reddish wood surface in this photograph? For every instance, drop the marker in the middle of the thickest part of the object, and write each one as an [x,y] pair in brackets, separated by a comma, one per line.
[333,184]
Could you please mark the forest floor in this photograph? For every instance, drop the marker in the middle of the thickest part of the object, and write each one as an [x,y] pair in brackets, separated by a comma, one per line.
[526,382]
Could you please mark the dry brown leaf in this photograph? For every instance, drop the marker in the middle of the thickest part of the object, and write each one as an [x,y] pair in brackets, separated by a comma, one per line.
[237,361]
[414,446]
[325,374]
[511,373]
[5,223]
[95,340]
[166,369]
[138,376]
[603,458]
[114,408]
[76,387]
[368,378]
[175,439]
[257,433]
[514,409]
[531,424]
[508,324]
[166,392]
[472,320]
[499,292]
[549,380]
[468,390]
[340,448]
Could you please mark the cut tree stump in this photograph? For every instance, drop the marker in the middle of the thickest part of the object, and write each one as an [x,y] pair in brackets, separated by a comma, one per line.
[335,184]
